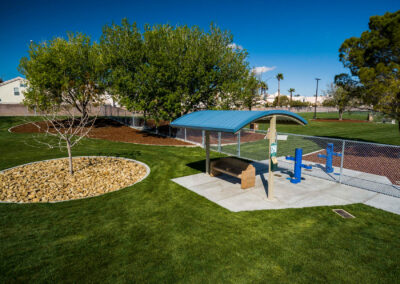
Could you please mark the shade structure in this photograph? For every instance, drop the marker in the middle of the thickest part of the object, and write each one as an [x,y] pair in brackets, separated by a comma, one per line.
[232,120]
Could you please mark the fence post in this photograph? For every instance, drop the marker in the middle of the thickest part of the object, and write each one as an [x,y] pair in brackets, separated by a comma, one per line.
[341,161]
[238,144]
[185,134]
[219,142]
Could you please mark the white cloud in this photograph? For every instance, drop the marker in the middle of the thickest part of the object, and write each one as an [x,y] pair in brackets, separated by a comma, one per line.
[262,69]
[235,46]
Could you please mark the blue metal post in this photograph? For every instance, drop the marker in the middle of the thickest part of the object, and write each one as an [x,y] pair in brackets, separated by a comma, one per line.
[329,157]
[297,165]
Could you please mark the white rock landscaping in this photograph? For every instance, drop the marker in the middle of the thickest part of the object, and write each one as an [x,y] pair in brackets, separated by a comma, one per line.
[50,181]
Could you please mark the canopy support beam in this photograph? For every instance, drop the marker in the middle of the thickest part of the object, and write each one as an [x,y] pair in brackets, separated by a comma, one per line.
[207,152]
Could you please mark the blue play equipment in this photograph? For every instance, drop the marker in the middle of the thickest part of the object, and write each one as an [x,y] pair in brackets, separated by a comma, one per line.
[297,165]
[328,157]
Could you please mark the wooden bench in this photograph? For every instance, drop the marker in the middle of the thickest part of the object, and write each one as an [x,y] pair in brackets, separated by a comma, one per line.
[235,167]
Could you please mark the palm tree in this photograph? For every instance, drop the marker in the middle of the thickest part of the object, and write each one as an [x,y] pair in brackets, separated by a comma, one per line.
[263,88]
[279,77]
[291,90]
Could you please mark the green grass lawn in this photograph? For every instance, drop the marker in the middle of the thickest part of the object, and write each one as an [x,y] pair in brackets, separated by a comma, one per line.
[158,231]
[370,132]
[258,150]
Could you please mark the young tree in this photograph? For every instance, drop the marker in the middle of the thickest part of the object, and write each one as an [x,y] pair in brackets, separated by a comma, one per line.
[291,90]
[64,72]
[65,83]
[279,77]
[64,127]
[342,94]
[374,58]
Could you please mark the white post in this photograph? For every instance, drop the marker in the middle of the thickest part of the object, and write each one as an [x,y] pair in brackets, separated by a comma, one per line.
[185,134]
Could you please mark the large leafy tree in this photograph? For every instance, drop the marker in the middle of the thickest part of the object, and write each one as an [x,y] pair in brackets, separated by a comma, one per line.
[63,72]
[171,70]
[374,58]
[123,54]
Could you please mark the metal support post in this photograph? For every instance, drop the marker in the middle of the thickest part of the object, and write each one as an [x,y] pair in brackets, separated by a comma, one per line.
[238,144]
[207,138]
[203,133]
[185,134]
[219,142]
[341,161]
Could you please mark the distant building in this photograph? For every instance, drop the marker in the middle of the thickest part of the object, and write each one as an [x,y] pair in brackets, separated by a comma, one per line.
[271,97]
[12,91]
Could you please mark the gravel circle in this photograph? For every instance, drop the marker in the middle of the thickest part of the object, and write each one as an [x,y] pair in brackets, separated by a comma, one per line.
[50,180]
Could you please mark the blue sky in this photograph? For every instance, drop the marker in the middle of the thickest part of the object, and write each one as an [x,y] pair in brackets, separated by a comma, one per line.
[297,38]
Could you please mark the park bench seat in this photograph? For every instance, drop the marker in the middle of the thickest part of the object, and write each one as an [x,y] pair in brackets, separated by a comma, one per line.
[236,168]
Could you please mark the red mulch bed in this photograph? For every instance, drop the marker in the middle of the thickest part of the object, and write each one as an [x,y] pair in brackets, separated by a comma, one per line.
[111,130]
[337,120]
[378,160]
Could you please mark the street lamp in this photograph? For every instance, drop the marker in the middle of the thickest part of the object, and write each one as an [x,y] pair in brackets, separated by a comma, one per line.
[316,97]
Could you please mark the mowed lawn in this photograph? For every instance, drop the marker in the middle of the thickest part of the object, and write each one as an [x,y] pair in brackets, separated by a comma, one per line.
[369,132]
[157,231]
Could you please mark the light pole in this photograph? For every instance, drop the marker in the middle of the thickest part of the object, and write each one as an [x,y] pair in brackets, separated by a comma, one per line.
[316,97]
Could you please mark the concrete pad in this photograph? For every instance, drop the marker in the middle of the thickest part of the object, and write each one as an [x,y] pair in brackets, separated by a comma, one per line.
[312,191]
[385,202]
[196,179]
[353,194]
[248,202]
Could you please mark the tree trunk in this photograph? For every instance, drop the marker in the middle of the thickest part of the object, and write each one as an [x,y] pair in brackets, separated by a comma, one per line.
[279,90]
[71,169]
[340,114]
[398,122]
[290,103]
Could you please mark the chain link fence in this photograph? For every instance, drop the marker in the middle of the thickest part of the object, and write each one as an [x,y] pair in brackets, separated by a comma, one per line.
[371,166]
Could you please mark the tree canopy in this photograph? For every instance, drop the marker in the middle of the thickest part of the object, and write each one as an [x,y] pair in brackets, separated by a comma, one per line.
[63,72]
[374,58]
[166,71]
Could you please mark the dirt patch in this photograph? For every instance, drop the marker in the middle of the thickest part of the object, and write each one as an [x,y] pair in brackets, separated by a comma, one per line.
[378,160]
[337,120]
[111,130]
[50,181]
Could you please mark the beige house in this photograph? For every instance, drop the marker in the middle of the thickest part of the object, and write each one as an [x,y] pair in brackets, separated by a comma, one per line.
[12,91]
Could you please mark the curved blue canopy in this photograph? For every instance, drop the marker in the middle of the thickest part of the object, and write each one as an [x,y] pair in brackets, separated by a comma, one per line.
[231,120]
